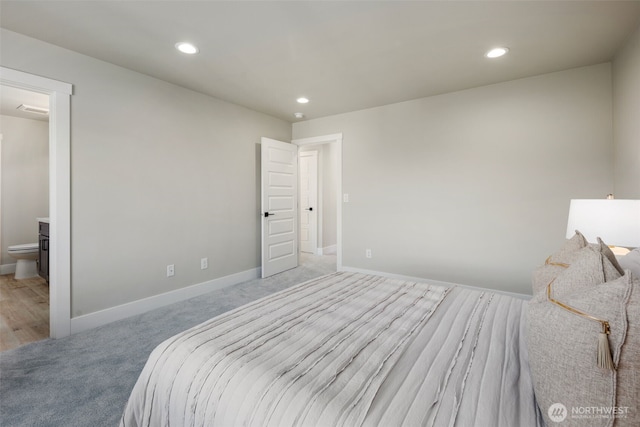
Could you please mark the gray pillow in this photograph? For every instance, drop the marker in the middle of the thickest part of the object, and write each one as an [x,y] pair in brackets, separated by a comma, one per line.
[631,261]
[557,262]
[563,350]
[628,385]
[590,268]
[606,251]
[593,260]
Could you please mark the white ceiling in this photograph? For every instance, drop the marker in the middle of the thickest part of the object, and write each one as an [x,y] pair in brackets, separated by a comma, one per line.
[11,98]
[344,56]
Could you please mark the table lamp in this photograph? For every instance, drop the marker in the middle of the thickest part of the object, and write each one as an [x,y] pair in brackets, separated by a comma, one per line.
[615,221]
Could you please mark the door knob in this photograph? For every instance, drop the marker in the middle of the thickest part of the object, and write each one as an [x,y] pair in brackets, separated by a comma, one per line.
[309,209]
[267,214]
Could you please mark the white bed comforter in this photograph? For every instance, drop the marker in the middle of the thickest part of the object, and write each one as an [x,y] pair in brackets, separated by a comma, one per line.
[345,350]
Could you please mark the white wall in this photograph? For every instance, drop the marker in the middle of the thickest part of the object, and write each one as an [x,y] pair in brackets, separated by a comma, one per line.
[25,181]
[160,175]
[626,114]
[473,187]
[470,187]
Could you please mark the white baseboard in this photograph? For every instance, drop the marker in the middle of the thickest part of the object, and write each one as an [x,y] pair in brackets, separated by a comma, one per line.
[7,269]
[434,282]
[103,317]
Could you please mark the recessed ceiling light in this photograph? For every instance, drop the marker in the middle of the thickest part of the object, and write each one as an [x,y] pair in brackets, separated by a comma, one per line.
[302,100]
[496,52]
[299,115]
[187,48]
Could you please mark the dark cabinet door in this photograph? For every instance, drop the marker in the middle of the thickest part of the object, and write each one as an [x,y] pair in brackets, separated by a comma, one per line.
[43,265]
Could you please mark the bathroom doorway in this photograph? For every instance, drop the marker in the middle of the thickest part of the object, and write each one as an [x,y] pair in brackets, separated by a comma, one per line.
[24,196]
[59,191]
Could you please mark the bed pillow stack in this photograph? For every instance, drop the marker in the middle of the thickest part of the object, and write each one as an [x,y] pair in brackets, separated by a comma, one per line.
[563,346]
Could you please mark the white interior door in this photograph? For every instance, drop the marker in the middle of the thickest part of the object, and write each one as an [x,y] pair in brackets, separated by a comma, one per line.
[279,206]
[308,201]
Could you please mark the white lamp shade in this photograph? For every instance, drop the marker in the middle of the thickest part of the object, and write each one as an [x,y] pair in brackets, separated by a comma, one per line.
[616,222]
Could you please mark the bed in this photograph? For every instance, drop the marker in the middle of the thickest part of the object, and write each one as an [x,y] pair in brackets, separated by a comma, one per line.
[347,349]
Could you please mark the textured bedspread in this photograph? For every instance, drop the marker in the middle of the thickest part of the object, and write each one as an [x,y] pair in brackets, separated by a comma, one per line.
[345,350]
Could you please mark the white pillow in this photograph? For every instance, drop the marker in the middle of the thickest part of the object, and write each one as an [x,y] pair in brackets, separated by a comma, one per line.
[631,261]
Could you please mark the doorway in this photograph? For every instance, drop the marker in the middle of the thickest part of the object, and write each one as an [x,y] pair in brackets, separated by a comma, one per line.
[24,201]
[328,216]
[59,191]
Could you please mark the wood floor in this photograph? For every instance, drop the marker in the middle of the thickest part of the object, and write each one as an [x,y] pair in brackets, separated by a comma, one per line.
[24,311]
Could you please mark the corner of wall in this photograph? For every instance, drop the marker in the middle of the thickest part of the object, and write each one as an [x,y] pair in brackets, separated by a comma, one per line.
[626,127]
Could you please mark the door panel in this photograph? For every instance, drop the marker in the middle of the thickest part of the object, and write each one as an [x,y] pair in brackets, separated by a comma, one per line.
[279,206]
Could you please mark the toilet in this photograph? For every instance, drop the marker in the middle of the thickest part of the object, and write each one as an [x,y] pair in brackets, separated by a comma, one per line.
[26,254]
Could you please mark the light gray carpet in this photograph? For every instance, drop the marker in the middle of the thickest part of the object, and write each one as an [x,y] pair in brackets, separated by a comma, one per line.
[86,379]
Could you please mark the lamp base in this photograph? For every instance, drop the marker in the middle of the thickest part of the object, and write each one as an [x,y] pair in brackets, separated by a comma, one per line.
[619,251]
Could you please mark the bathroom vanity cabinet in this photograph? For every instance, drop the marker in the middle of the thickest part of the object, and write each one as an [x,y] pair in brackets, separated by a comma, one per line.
[43,265]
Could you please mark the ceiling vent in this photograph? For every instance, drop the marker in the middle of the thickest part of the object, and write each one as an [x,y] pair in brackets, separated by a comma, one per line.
[35,110]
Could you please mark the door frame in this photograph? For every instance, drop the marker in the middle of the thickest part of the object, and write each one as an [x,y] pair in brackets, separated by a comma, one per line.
[59,191]
[331,139]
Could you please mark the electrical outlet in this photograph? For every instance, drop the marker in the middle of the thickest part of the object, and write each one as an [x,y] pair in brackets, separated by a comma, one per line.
[171,270]
[368,253]
[345,198]
[204,263]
